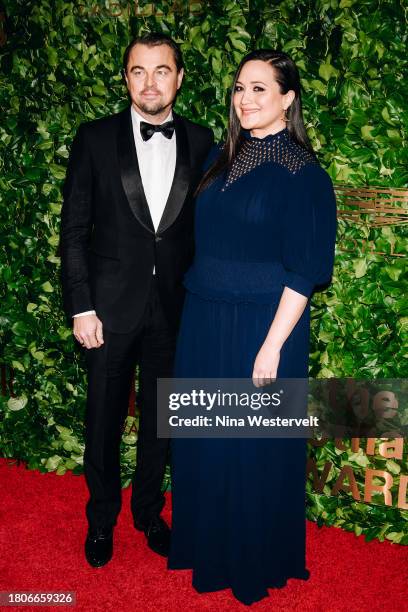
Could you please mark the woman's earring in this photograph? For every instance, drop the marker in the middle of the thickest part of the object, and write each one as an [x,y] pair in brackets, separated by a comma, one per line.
[285,117]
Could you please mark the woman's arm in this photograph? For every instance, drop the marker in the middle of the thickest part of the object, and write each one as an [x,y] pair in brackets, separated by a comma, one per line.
[308,243]
[290,309]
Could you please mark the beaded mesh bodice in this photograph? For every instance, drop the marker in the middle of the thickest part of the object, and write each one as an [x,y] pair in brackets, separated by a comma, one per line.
[279,148]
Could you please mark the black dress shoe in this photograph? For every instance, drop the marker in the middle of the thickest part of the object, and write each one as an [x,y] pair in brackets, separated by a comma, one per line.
[157,533]
[99,546]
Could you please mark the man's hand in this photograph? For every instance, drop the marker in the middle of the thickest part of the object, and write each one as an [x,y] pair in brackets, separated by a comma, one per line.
[88,331]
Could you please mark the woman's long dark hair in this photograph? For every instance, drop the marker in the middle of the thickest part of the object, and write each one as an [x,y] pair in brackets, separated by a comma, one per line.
[287,75]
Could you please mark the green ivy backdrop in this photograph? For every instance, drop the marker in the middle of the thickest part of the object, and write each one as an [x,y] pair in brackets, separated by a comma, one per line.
[60,65]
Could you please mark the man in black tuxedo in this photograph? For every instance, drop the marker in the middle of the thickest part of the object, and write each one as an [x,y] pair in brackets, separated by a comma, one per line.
[126,242]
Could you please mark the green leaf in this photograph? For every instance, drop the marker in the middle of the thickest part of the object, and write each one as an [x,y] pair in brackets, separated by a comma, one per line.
[394,536]
[57,171]
[52,56]
[39,355]
[52,463]
[326,71]
[319,86]
[366,132]
[360,268]
[216,65]
[47,287]
[237,43]
[17,365]
[358,530]
[386,116]
[17,403]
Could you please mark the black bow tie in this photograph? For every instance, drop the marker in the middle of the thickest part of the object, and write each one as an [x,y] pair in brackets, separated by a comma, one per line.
[148,129]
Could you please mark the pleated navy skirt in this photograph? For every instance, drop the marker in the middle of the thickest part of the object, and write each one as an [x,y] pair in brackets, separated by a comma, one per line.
[238,504]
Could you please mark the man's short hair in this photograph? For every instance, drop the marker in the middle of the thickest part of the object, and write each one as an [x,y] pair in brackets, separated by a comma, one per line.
[154,39]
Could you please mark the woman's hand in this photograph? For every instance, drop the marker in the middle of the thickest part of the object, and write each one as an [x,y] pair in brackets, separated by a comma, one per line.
[266,365]
[290,309]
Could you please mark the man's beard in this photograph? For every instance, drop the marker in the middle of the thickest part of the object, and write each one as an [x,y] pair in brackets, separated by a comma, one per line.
[155,108]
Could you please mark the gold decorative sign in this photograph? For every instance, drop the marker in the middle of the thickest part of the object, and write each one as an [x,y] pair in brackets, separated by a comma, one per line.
[378,482]
[375,207]
[378,206]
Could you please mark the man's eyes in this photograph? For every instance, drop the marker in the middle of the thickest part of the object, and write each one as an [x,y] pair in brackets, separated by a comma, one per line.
[161,73]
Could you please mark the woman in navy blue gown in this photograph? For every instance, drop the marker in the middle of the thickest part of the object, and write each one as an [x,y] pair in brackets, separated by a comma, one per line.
[265,239]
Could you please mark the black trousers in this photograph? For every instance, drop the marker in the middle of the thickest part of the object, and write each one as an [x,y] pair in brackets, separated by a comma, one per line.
[110,369]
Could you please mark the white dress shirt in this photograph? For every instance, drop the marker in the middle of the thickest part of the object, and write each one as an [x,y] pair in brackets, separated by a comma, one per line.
[157,163]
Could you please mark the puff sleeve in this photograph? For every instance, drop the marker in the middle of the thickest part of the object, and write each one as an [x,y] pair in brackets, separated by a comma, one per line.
[309,230]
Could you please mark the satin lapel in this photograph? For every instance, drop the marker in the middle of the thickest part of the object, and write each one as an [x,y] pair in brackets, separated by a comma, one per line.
[130,172]
[181,180]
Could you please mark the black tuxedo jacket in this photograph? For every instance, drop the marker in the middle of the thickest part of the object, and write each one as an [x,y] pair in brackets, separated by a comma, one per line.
[108,244]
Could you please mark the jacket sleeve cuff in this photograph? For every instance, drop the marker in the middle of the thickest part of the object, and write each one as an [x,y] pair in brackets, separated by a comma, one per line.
[78,301]
[298,283]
